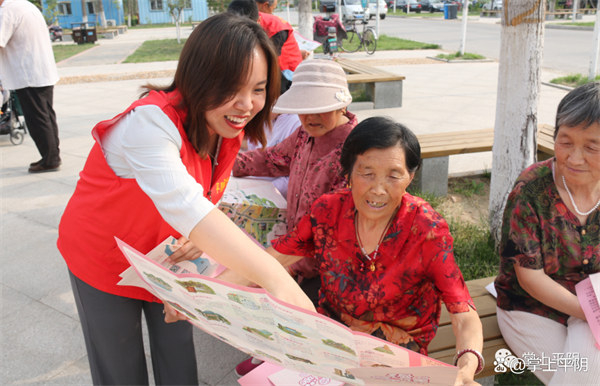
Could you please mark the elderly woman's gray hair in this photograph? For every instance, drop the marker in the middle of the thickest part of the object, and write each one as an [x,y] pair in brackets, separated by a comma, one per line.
[580,106]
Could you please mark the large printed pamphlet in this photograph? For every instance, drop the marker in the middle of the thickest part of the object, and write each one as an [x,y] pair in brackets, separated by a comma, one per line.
[253,321]
[588,294]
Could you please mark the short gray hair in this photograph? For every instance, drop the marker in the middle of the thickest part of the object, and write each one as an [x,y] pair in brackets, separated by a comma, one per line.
[580,106]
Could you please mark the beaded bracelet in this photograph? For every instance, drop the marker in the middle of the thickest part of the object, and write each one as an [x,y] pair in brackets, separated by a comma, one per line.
[480,360]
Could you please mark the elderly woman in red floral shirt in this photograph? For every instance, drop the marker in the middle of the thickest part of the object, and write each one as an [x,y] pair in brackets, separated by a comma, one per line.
[385,257]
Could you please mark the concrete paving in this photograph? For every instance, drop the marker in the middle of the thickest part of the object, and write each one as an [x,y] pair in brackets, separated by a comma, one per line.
[41,340]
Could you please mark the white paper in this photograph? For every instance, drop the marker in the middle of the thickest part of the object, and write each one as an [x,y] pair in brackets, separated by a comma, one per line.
[304,43]
[491,288]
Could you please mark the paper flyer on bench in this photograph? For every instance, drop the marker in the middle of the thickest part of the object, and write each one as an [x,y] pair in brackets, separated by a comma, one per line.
[253,321]
[588,294]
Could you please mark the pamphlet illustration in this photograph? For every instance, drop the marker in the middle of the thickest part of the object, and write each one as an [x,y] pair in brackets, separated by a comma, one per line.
[255,322]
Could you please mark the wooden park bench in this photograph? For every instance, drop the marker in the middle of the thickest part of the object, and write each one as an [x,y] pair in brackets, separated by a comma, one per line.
[110,33]
[491,13]
[565,14]
[382,87]
[435,152]
[436,149]
[443,346]
[545,142]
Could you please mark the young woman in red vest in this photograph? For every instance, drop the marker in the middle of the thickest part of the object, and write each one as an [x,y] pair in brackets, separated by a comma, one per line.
[157,170]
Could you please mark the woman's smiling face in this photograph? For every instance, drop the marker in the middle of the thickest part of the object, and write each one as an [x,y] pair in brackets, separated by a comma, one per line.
[229,119]
[379,179]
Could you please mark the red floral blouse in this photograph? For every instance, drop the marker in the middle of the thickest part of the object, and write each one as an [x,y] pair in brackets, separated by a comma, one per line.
[414,270]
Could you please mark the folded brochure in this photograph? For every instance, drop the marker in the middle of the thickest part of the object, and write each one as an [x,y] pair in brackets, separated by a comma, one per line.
[255,322]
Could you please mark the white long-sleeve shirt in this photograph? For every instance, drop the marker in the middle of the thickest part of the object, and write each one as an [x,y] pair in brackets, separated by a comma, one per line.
[146,145]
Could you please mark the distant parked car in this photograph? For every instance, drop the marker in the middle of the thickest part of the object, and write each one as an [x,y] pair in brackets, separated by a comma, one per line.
[432,6]
[495,5]
[383,8]
[415,6]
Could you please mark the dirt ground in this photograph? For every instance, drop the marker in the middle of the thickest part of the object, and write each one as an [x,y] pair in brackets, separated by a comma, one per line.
[467,200]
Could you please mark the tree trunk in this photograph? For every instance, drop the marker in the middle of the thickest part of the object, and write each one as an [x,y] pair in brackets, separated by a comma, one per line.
[84,17]
[101,13]
[517,98]
[305,19]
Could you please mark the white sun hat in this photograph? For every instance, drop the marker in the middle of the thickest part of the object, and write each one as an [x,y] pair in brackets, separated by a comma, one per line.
[318,86]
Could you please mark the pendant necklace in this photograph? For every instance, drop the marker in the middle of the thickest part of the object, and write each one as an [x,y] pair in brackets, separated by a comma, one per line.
[362,249]
[214,165]
[573,201]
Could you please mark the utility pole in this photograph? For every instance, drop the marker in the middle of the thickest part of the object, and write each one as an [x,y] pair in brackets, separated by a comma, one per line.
[463,41]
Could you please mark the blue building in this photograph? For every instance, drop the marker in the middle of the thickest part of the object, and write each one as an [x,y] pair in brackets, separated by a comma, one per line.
[156,11]
[150,11]
[69,11]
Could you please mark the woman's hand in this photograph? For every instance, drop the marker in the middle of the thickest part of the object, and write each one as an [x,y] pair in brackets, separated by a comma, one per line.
[172,315]
[469,335]
[184,250]
[464,379]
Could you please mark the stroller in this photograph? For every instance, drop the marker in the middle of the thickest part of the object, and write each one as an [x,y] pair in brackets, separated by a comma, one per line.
[11,119]
[329,31]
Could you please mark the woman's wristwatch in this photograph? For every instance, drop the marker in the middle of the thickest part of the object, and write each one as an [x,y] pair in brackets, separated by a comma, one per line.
[480,360]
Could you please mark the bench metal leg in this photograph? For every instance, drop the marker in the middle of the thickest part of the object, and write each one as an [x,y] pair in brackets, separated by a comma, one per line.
[433,176]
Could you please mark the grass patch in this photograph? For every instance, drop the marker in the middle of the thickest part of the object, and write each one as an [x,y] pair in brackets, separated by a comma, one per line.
[156,51]
[457,55]
[581,24]
[432,199]
[389,43]
[474,250]
[573,80]
[466,186]
[64,51]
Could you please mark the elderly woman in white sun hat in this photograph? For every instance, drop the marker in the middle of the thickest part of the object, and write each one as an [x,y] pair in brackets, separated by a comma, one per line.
[310,156]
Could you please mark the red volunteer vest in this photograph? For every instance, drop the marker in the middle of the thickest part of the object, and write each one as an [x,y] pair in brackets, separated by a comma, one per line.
[104,206]
[290,53]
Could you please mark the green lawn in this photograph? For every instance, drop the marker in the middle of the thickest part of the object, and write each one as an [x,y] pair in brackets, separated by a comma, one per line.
[64,51]
[168,49]
[156,51]
[573,80]
[457,55]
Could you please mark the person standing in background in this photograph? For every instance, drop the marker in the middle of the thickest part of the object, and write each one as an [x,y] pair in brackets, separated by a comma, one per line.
[27,66]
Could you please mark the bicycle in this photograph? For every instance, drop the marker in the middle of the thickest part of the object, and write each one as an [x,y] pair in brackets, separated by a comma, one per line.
[355,39]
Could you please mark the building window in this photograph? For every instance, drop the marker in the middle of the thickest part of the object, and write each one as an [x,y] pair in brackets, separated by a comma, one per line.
[188,4]
[64,8]
[156,5]
[91,8]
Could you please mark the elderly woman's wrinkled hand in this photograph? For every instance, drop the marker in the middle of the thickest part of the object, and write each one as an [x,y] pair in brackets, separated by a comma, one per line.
[184,250]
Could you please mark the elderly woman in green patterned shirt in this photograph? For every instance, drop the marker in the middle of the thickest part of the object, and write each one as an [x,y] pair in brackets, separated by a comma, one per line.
[550,242]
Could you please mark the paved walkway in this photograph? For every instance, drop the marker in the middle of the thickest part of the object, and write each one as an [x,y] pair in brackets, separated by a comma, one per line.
[41,340]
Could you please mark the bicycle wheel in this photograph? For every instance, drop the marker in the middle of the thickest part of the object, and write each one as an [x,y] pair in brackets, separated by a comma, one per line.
[351,43]
[369,41]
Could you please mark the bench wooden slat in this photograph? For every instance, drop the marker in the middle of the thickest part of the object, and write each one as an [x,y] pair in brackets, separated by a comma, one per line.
[367,78]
